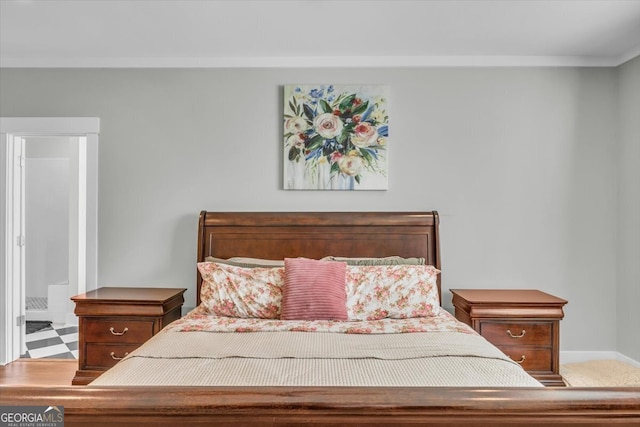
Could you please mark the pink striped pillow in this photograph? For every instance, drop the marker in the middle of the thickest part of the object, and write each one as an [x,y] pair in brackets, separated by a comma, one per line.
[314,290]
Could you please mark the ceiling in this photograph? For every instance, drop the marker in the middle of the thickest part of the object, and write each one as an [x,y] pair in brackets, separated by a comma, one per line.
[293,33]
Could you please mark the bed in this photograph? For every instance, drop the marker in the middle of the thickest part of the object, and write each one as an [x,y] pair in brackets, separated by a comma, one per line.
[390,332]
[413,370]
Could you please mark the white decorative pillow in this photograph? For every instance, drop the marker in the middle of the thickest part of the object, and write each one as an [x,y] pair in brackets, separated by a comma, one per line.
[392,291]
[241,292]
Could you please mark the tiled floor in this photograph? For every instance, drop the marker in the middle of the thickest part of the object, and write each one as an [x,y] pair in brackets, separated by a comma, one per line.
[54,342]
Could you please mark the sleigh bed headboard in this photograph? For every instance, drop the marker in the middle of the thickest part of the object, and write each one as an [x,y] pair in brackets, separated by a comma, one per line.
[279,235]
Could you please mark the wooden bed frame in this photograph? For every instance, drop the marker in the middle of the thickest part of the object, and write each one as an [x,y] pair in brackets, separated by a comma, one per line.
[314,235]
[281,235]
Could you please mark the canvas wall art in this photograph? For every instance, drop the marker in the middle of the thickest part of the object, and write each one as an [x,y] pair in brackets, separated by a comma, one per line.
[336,137]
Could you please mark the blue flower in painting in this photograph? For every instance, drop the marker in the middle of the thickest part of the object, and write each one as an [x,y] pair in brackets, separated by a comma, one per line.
[316,93]
[297,89]
[330,89]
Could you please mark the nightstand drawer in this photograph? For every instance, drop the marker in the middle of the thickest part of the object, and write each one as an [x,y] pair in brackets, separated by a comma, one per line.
[531,359]
[106,355]
[517,333]
[118,331]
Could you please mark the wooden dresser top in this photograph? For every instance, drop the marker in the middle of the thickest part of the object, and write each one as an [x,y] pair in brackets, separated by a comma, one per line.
[134,295]
[507,296]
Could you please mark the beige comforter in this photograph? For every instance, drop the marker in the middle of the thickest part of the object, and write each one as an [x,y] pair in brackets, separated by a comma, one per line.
[442,357]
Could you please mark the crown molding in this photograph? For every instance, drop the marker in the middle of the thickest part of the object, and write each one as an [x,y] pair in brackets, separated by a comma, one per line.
[320,62]
[628,56]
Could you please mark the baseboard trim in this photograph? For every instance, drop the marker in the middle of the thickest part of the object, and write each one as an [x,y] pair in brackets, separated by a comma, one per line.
[72,319]
[585,356]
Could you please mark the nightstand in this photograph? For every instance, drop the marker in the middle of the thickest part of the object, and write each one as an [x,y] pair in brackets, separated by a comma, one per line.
[112,322]
[524,324]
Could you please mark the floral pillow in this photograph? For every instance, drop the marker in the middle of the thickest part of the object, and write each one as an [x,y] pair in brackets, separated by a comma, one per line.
[392,291]
[241,292]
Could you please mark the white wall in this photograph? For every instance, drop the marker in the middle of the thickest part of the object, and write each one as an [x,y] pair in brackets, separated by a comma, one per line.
[628,219]
[47,214]
[521,163]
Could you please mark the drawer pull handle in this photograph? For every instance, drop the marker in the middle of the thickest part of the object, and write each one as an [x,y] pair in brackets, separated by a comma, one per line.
[521,361]
[516,336]
[114,357]
[124,331]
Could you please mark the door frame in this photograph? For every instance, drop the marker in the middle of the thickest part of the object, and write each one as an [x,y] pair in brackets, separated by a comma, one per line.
[84,245]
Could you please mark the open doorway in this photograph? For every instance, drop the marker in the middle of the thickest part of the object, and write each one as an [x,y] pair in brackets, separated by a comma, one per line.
[82,137]
[47,198]
[49,182]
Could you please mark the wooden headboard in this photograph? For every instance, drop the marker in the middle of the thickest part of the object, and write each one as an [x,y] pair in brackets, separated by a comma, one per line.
[279,235]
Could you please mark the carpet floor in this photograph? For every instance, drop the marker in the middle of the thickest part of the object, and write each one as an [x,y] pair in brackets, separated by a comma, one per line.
[600,373]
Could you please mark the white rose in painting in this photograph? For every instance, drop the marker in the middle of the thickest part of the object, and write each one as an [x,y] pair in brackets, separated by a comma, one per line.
[295,125]
[351,164]
[328,125]
[365,135]
[295,141]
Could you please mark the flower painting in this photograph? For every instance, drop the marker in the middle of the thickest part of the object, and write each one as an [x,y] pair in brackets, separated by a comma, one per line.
[335,137]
